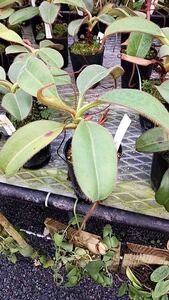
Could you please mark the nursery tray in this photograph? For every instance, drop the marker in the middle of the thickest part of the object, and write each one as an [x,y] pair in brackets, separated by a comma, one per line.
[133,191]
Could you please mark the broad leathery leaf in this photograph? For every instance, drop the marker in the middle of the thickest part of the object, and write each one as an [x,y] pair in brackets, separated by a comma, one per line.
[5,12]
[134,24]
[13,49]
[75,25]
[90,76]
[165,30]
[4,3]
[51,57]
[79,3]
[153,140]
[2,73]
[139,44]
[94,160]
[36,72]
[106,19]
[160,273]
[164,90]
[48,12]
[61,77]
[18,104]
[23,14]
[9,35]
[138,60]
[89,4]
[161,288]
[27,141]
[162,194]
[164,51]
[141,102]
[46,43]
[14,70]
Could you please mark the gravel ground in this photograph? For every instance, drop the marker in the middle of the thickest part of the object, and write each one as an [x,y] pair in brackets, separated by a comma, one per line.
[24,281]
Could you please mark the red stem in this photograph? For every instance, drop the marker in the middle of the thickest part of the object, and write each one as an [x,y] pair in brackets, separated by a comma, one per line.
[148,9]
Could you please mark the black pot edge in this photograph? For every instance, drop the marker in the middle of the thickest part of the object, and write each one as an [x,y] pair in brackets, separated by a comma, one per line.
[65,203]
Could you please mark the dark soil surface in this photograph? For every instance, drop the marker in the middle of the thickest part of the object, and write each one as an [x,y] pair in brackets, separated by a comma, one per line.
[24,281]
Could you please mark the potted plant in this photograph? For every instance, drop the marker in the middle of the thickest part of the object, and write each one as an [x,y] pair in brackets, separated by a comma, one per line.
[21,108]
[94,154]
[88,49]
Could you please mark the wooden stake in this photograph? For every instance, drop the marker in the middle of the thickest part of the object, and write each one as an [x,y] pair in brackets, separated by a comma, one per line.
[12,232]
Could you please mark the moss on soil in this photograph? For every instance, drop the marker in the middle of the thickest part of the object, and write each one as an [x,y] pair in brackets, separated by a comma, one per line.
[82,48]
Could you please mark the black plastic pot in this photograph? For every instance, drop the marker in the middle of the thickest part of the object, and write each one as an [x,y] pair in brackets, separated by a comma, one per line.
[160,164]
[129,81]
[80,61]
[161,19]
[40,159]
[71,174]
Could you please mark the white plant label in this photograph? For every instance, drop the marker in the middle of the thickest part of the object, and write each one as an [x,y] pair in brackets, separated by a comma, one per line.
[48,31]
[7,125]
[121,130]
[33,3]
[80,12]
[100,36]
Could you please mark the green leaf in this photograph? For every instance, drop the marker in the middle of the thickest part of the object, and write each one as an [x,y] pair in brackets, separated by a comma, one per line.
[134,24]
[51,57]
[141,102]
[14,70]
[122,290]
[162,194]
[89,5]
[153,140]
[61,77]
[79,3]
[107,230]
[75,25]
[48,12]
[26,251]
[4,3]
[133,278]
[2,73]
[94,267]
[58,239]
[164,90]
[26,142]
[67,246]
[9,35]
[139,44]
[106,19]
[160,273]
[36,72]
[161,288]
[90,76]
[93,149]
[114,242]
[13,49]
[164,51]
[5,12]
[18,104]
[23,14]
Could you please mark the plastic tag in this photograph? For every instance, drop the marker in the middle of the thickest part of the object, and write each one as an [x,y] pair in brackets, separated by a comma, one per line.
[33,3]
[100,36]
[80,12]
[121,130]
[7,125]
[48,31]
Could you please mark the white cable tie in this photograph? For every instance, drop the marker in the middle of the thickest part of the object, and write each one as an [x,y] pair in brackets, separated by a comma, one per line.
[47,198]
